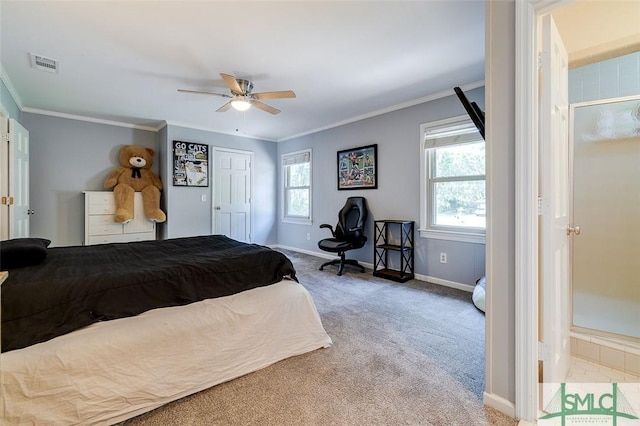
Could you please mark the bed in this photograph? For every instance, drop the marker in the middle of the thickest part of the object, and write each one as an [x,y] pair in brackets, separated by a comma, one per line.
[99,334]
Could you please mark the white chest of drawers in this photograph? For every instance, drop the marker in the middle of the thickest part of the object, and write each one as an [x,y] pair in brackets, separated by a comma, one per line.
[100,228]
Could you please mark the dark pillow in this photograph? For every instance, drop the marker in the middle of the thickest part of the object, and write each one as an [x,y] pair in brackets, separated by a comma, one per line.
[21,252]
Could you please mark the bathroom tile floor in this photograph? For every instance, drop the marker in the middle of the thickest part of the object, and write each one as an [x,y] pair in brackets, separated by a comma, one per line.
[583,371]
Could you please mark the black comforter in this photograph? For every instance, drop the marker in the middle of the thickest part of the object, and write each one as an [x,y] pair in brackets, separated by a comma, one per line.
[78,286]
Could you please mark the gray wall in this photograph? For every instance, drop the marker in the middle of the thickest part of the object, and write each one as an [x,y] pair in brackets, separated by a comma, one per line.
[70,156]
[187,215]
[500,91]
[58,178]
[398,195]
[67,157]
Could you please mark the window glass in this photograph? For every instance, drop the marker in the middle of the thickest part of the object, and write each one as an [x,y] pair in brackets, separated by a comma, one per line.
[299,174]
[453,188]
[460,203]
[460,160]
[298,202]
[296,178]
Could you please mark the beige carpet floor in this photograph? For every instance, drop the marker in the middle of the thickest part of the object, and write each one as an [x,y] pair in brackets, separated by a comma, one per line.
[402,354]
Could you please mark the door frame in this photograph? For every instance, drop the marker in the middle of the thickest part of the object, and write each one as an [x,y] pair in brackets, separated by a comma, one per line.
[212,195]
[526,200]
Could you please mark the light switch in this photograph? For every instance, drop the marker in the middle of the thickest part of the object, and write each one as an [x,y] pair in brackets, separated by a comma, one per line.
[203,198]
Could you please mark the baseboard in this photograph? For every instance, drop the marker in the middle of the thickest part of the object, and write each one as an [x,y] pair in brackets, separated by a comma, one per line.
[317,254]
[446,283]
[299,250]
[500,404]
[419,277]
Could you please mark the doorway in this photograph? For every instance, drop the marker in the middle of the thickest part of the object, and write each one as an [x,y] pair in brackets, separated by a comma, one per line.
[527,172]
[14,180]
[232,193]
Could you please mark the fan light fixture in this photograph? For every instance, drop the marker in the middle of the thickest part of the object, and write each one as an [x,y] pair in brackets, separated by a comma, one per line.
[240,103]
[241,98]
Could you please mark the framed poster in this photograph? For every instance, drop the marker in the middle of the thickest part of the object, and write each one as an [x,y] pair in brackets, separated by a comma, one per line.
[190,164]
[358,168]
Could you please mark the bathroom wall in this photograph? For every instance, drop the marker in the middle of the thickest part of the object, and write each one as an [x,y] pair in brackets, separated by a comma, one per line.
[613,78]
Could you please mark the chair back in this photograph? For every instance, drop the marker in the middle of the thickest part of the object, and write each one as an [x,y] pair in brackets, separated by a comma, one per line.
[351,220]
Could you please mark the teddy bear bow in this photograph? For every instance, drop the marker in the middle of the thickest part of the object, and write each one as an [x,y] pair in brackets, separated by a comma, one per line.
[135,173]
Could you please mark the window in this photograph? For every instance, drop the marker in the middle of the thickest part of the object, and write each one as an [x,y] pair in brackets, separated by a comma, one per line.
[296,178]
[453,196]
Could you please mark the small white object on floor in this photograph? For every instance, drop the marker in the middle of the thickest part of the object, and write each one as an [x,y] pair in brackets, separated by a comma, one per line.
[479,293]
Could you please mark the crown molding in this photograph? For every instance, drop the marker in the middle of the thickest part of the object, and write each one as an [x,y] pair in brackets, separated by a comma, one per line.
[432,97]
[209,129]
[93,120]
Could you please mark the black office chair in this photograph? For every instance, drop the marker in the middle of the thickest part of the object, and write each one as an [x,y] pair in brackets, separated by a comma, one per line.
[349,233]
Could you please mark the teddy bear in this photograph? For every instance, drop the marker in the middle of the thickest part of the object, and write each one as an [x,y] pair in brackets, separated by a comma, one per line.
[135,175]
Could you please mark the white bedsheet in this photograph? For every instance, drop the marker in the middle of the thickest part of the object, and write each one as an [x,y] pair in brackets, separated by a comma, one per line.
[114,370]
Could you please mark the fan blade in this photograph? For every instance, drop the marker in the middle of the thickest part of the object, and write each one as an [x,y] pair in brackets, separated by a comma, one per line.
[232,83]
[275,95]
[224,107]
[200,92]
[265,107]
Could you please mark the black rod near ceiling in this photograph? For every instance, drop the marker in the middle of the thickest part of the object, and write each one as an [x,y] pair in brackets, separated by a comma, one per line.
[474,111]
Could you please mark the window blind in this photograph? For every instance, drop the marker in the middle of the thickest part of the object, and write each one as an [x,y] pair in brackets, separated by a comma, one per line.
[446,135]
[296,158]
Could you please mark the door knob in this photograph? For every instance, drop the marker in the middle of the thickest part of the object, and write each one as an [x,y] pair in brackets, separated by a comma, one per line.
[574,229]
[31,212]
[218,207]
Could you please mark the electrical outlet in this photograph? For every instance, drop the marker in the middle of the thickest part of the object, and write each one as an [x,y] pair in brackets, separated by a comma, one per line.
[443,257]
[308,236]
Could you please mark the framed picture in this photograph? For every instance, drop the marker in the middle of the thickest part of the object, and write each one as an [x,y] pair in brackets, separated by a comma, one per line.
[190,164]
[358,168]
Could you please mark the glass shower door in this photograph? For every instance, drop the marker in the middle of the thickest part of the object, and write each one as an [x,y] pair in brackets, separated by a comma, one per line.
[606,206]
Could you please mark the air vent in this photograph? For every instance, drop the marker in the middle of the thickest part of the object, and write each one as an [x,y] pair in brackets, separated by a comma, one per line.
[43,63]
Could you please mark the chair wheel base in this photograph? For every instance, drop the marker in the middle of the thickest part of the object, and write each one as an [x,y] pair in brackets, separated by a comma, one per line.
[341,263]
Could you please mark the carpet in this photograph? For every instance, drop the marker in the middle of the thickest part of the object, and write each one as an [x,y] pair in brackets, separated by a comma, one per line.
[403,354]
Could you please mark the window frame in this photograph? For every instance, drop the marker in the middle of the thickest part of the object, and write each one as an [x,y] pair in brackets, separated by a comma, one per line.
[287,160]
[427,183]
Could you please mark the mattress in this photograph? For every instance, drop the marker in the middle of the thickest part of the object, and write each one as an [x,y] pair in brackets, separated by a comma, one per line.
[113,370]
[80,285]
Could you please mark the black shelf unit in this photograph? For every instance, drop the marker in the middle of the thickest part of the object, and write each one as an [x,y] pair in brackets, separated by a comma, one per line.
[384,230]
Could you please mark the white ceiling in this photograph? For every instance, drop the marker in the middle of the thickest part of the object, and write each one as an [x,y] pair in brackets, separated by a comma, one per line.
[124,60]
[593,31]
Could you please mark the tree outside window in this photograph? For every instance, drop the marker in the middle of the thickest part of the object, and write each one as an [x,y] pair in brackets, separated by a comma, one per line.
[458,179]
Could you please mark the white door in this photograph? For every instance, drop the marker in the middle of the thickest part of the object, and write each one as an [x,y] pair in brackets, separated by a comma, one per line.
[232,197]
[555,205]
[4,178]
[14,154]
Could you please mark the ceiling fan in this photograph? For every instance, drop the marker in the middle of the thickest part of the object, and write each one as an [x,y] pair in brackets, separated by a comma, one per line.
[241,97]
